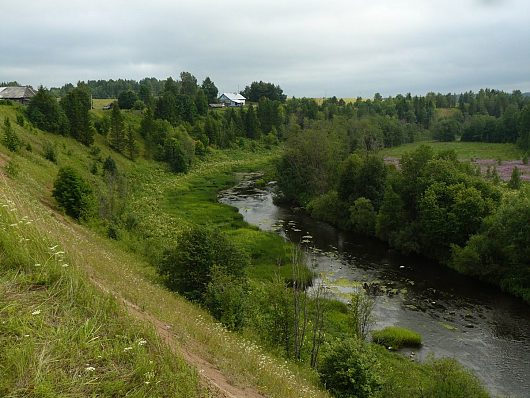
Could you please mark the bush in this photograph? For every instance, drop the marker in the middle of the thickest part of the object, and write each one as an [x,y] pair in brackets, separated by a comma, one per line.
[73,194]
[329,208]
[447,378]
[396,337]
[349,369]
[187,267]
[225,298]
[49,152]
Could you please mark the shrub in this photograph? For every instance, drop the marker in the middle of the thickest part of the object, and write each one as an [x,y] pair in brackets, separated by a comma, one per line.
[187,267]
[349,369]
[20,120]
[225,298]
[49,152]
[73,194]
[396,337]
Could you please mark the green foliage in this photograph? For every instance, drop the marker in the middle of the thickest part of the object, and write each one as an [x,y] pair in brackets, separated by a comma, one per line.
[76,105]
[210,90]
[226,298]
[117,129]
[179,151]
[362,216]
[396,337]
[360,311]
[188,266]
[329,208]
[45,113]
[73,194]
[349,369]
[362,177]
[49,152]
[10,138]
[127,99]
[515,179]
[257,90]
[447,130]
[447,378]
[20,120]
[109,166]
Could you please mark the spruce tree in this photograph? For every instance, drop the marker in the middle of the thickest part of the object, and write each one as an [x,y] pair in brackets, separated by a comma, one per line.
[117,133]
[11,140]
[132,148]
[515,179]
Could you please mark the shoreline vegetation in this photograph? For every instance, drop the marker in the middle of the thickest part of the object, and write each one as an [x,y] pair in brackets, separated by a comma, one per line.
[130,193]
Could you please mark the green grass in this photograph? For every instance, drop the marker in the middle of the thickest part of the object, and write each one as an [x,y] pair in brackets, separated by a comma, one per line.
[464,150]
[396,337]
[61,337]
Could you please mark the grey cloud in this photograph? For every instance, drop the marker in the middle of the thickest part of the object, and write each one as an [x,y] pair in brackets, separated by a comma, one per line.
[343,48]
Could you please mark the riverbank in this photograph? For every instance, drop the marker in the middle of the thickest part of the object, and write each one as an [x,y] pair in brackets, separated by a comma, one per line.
[457,316]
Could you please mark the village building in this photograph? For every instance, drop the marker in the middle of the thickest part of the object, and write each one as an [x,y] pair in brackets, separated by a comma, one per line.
[21,94]
[232,99]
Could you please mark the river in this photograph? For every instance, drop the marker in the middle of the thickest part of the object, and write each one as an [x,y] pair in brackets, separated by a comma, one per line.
[483,328]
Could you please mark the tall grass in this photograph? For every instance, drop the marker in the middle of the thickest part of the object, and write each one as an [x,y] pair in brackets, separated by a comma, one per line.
[61,337]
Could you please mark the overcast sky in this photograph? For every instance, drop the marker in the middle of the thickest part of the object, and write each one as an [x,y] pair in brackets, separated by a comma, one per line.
[346,48]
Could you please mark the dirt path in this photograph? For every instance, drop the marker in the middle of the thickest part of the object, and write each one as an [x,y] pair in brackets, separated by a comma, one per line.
[212,378]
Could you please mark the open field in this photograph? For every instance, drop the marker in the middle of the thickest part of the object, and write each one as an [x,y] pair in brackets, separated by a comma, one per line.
[464,150]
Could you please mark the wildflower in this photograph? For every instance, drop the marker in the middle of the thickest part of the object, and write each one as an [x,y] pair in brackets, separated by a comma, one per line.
[90,369]
[53,247]
[37,265]
[65,265]
[142,342]
[127,349]
[36,312]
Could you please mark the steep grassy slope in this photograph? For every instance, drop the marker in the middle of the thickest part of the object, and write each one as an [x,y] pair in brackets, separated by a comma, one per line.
[27,179]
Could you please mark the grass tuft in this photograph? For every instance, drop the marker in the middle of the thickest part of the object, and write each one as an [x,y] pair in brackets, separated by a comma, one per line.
[396,337]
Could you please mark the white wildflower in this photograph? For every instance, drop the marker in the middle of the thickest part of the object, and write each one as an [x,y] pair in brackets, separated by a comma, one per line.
[36,312]
[127,349]
[90,369]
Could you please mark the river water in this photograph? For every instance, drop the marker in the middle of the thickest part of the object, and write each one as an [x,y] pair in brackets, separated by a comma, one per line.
[458,317]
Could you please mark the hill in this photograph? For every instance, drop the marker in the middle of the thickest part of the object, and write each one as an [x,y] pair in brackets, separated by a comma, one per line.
[98,318]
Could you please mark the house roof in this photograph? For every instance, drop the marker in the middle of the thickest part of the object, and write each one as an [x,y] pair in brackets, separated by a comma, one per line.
[234,97]
[16,92]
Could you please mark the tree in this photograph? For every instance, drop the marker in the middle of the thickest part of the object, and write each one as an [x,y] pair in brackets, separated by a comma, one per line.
[210,90]
[362,216]
[251,123]
[73,194]
[10,139]
[188,266]
[76,105]
[201,102]
[130,144]
[257,90]
[188,84]
[447,130]
[45,113]
[126,99]
[117,129]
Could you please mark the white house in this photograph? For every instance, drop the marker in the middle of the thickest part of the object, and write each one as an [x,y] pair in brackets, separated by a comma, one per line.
[232,99]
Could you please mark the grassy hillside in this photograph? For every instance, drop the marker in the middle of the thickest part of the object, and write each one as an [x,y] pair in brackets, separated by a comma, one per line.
[132,341]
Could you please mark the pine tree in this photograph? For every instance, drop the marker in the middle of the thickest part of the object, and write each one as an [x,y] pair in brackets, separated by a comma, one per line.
[11,140]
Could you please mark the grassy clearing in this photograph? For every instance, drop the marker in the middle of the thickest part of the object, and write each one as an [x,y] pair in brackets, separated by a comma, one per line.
[396,337]
[464,150]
